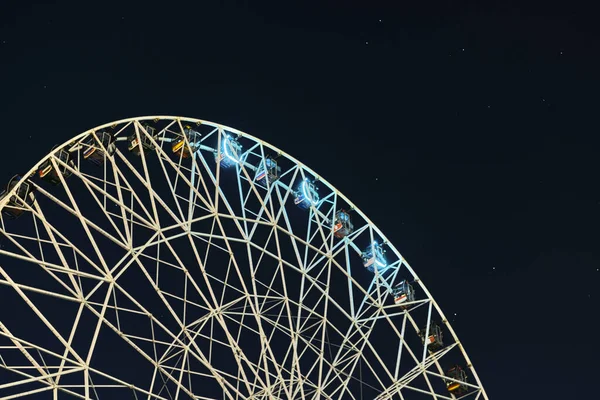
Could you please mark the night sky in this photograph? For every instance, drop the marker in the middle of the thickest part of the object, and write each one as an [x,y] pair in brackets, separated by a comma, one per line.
[468,134]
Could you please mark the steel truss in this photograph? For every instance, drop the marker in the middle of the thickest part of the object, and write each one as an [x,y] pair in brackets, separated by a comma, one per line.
[178,274]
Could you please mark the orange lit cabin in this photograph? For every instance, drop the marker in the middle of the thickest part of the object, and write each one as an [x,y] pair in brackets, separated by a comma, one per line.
[51,174]
[456,384]
[22,197]
[179,147]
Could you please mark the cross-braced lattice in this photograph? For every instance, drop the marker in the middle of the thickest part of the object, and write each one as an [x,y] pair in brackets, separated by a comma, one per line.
[171,258]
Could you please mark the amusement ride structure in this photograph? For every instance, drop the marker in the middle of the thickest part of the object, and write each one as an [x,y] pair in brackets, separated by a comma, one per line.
[173,258]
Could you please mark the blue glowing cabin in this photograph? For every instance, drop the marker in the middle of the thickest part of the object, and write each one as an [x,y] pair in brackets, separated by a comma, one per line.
[16,204]
[403,292]
[435,338]
[95,150]
[145,138]
[267,170]
[47,172]
[342,225]
[373,257]
[179,147]
[306,195]
[231,152]
[456,383]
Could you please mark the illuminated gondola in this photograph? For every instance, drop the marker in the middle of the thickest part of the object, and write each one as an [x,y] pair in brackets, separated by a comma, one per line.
[456,385]
[22,197]
[95,149]
[403,292]
[50,173]
[306,195]
[267,170]
[179,147]
[231,152]
[145,139]
[342,226]
[373,257]
[435,338]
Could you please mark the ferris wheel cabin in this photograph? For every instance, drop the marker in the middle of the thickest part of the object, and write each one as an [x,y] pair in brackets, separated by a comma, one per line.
[179,147]
[51,174]
[403,292]
[435,338]
[267,170]
[23,196]
[306,195]
[145,139]
[373,258]
[96,148]
[231,151]
[456,385]
[342,225]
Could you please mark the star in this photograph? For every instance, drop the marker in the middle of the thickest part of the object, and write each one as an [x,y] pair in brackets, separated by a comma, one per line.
[366,42]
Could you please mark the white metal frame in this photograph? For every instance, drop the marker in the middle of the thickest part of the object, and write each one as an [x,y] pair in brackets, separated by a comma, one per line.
[216,283]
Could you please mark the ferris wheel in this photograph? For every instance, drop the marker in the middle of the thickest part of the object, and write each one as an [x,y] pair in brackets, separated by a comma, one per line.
[172,258]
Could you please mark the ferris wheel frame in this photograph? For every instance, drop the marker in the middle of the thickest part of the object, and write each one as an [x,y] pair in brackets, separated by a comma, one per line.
[226,153]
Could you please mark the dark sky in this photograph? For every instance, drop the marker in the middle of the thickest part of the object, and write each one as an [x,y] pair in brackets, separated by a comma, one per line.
[468,134]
